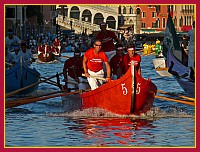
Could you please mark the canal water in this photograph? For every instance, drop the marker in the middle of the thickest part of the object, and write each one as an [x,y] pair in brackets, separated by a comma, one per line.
[47,123]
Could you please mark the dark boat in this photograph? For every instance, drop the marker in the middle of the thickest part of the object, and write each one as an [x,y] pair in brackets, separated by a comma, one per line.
[186,83]
[175,59]
[20,76]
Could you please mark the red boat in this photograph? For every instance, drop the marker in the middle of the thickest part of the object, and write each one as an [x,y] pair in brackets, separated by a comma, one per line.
[131,94]
[46,57]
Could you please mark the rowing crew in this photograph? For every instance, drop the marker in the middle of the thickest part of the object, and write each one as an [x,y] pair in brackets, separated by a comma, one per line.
[95,63]
[13,57]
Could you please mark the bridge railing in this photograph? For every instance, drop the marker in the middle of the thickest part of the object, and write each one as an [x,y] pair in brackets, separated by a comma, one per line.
[77,25]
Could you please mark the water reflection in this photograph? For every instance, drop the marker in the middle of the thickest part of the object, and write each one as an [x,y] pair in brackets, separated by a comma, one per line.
[113,131]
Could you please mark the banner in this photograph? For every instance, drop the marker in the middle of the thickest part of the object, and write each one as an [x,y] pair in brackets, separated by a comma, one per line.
[171,41]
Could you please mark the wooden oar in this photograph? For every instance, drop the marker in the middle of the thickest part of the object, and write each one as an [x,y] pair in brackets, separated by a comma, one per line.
[177,95]
[15,103]
[176,100]
[161,69]
[65,56]
[9,64]
[95,77]
[48,80]
[29,86]
[55,84]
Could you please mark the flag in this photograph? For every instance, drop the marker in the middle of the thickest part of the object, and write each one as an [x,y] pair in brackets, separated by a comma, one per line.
[171,41]
[174,52]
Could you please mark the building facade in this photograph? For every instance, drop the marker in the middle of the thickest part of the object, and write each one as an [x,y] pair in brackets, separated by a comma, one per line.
[137,18]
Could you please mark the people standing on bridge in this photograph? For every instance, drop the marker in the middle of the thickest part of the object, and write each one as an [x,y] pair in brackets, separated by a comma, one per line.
[93,65]
[191,51]
[107,37]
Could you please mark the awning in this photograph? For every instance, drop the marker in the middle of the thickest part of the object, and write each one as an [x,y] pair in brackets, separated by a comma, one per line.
[148,30]
[186,28]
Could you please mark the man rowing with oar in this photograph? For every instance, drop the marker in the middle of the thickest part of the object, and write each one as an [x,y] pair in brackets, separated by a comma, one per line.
[73,70]
[93,65]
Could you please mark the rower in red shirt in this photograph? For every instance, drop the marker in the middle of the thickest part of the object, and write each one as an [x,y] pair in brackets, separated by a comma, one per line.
[56,45]
[93,65]
[116,62]
[73,70]
[107,38]
[40,49]
[131,56]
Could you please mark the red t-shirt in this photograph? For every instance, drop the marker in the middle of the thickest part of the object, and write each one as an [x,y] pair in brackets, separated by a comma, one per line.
[56,43]
[41,48]
[74,66]
[107,40]
[127,62]
[95,61]
[116,63]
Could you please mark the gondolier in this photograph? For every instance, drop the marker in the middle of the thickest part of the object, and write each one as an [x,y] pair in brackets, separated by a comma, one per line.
[93,65]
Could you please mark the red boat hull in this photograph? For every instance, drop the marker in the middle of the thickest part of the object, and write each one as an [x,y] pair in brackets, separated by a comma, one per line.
[127,95]
[46,57]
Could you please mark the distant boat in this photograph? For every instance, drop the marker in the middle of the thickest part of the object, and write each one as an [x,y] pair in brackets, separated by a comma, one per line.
[161,67]
[46,57]
[20,76]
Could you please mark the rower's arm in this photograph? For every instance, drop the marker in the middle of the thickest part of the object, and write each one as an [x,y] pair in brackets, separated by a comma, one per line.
[108,69]
[85,66]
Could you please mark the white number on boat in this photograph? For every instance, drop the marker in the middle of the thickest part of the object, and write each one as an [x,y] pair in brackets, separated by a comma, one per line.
[138,88]
[124,89]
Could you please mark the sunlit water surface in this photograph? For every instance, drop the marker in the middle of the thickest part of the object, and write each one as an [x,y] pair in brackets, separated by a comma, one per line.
[47,123]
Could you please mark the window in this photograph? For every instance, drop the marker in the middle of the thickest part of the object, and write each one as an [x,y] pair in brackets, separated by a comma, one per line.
[163,22]
[154,14]
[143,14]
[10,12]
[154,25]
[175,21]
[138,11]
[185,20]
[143,25]
[119,10]
[150,6]
[158,23]
[181,21]
[124,10]
[131,10]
